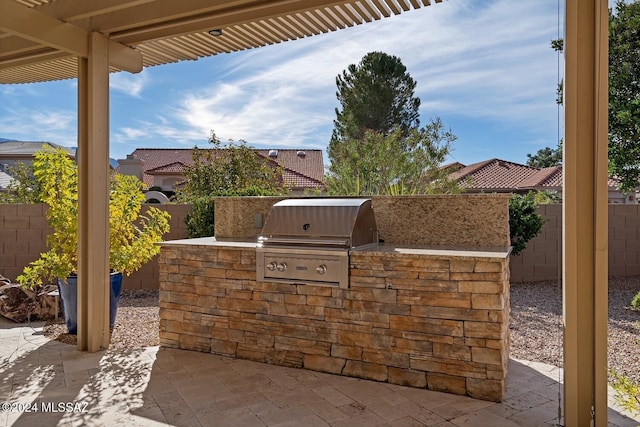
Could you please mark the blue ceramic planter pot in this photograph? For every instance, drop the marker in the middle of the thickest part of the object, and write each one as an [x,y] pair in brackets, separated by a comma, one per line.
[69,296]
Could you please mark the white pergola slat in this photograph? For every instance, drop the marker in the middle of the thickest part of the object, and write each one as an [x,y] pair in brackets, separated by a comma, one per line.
[44,40]
[158,31]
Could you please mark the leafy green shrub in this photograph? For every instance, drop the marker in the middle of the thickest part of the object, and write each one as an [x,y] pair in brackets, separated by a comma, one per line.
[24,188]
[524,222]
[635,302]
[200,222]
[230,170]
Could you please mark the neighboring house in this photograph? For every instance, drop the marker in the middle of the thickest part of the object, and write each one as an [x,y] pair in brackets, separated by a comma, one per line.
[501,176]
[165,167]
[12,152]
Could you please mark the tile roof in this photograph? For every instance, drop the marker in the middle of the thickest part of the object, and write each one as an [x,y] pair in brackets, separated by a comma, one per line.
[545,177]
[504,176]
[29,148]
[171,168]
[493,174]
[302,168]
[293,180]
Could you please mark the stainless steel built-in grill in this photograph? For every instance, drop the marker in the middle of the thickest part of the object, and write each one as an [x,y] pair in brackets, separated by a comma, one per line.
[307,241]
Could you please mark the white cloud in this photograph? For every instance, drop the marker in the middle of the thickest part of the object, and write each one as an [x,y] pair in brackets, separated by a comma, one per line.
[492,62]
[59,126]
[129,84]
[483,61]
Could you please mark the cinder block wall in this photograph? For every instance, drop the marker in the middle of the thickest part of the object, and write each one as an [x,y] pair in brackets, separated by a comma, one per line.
[542,259]
[148,276]
[23,233]
[24,230]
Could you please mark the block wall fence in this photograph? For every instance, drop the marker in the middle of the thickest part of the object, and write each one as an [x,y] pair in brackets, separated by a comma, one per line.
[23,231]
[542,259]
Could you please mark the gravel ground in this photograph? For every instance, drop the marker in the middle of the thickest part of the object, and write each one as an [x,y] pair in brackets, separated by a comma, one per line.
[137,322]
[536,324]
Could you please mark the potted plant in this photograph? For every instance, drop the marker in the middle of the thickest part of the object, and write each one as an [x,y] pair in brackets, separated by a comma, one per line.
[132,236]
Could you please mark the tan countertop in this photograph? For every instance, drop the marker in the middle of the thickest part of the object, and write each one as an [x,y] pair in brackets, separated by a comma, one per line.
[210,241]
[439,252]
[384,248]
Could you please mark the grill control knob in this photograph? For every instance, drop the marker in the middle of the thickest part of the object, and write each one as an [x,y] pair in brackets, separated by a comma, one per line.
[321,269]
[282,266]
[271,266]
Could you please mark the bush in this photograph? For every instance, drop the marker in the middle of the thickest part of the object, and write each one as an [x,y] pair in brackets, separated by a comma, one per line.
[635,302]
[200,222]
[524,222]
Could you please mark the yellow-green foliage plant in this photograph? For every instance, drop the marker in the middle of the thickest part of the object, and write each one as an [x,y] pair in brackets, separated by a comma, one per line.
[627,392]
[133,237]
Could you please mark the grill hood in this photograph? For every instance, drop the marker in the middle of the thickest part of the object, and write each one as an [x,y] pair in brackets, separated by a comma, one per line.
[323,222]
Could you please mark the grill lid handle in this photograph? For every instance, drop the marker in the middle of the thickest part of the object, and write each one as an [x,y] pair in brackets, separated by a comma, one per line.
[303,242]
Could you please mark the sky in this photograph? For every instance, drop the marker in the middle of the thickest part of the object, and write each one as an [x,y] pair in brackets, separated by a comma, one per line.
[485,68]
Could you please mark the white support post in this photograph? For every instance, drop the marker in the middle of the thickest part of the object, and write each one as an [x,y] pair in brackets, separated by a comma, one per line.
[93,195]
[585,213]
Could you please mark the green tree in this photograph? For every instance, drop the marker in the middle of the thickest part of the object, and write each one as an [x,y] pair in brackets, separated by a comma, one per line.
[232,169]
[624,92]
[546,157]
[376,95]
[393,164]
[24,188]
[377,145]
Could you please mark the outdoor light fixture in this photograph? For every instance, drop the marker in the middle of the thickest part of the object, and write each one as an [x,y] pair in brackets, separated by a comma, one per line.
[216,32]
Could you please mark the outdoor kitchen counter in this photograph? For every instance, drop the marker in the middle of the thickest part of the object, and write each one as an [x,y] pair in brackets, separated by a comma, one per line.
[382,248]
[433,318]
[211,241]
[435,252]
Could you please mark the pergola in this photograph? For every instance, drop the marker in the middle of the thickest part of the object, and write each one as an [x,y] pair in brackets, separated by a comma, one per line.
[42,40]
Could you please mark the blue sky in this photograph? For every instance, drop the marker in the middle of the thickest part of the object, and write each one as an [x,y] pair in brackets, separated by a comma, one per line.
[484,67]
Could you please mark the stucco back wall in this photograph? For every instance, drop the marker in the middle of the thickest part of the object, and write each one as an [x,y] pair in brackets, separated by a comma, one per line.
[469,220]
[235,217]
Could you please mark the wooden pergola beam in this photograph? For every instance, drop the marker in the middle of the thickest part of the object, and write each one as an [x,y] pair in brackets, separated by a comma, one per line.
[93,197]
[585,244]
[44,30]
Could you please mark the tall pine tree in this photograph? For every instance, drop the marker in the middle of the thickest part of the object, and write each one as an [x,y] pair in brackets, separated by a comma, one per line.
[375,95]
[377,145]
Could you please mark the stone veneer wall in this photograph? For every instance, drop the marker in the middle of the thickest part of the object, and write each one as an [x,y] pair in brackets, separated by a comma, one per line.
[436,322]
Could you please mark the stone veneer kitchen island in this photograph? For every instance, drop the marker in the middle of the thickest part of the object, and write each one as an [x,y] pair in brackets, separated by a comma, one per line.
[417,313]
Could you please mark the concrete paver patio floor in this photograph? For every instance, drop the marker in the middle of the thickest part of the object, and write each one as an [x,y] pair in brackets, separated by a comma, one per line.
[166,387]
